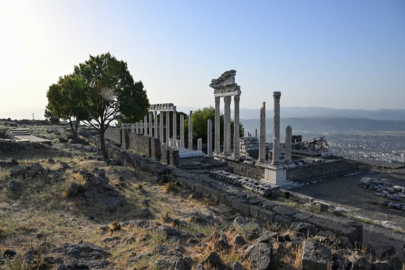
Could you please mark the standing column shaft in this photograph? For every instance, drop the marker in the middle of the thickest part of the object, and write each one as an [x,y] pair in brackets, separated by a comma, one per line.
[209,138]
[145,125]
[227,125]
[236,127]
[161,128]
[167,128]
[262,139]
[181,130]
[217,126]
[174,126]
[276,128]
[141,127]
[287,145]
[150,124]
[155,126]
[190,131]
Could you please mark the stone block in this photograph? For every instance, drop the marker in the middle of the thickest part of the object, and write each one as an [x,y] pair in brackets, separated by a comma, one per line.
[315,256]
[284,220]
[254,211]
[285,210]
[229,199]
[198,188]
[266,215]
[338,228]
[241,205]
[302,216]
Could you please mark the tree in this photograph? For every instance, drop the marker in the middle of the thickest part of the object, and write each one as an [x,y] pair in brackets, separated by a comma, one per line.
[130,96]
[111,93]
[65,101]
[200,124]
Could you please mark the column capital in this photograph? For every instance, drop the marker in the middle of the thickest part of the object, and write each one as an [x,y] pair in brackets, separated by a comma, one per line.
[236,98]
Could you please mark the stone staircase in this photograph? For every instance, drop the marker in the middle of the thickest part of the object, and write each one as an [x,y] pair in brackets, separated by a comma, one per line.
[20,132]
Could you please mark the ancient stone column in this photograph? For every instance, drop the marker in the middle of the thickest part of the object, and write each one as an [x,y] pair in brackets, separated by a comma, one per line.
[276,128]
[209,138]
[227,126]
[150,124]
[236,127]
[132,128]
[155,132]
[217,126]
[190,131]
[174,126]
[161,128]
[287,145]
[181,130]
[199,144]
[262,139]
[167,128]
[145,125]
[140,127]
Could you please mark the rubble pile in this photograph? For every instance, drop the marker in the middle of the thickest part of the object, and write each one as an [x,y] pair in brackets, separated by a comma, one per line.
[248,183]
[385,189]
[317,145]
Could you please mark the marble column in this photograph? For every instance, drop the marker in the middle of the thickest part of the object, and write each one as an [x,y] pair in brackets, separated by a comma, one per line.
[227,126]
[217,146]
[150,124]
[155,132]
[287,145]
[133,128]
[161,127]
[262,139]
[209,138]
[182,130]
[276,128]
[236,151]
[190,131]
[167,128]
[174,126]
[141,127]
[145,125]
[199,144]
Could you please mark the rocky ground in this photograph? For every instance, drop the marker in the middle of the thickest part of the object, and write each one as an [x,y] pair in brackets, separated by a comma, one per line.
[65,207]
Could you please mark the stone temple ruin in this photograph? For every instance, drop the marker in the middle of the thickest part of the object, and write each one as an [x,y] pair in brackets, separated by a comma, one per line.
[280,163]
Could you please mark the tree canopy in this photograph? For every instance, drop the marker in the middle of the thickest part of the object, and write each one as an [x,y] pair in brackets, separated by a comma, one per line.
[200,124]
[111,93]
[65,101]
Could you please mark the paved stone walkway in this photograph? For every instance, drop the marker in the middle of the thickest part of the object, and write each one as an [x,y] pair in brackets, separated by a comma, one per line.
[25,136]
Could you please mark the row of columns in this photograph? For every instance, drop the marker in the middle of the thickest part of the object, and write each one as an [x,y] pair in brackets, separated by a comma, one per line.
[144,126]
[227,126]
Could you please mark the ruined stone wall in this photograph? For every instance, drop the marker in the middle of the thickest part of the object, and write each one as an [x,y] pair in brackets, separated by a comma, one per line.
[299,174]
[140,143]
[247,170]
[321,170]
[259,208]
[114,135]
[156,152]
[170,156]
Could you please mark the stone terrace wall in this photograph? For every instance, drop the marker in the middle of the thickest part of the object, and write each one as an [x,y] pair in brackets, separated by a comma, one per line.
[303,174]
[139,143]
[114,135]
[320,170]
[170,156]
[259,208]
[247,170]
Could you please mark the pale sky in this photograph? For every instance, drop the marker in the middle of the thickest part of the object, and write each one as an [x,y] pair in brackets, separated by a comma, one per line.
[338,54]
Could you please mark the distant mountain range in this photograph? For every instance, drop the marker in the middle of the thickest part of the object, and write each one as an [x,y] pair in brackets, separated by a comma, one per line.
[323,124]
[317,112]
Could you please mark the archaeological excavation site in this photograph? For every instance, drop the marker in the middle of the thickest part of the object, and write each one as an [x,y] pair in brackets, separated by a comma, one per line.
[161,198]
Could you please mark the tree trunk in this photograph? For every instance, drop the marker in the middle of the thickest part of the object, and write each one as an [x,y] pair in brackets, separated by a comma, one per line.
[102,143]
[74,133]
